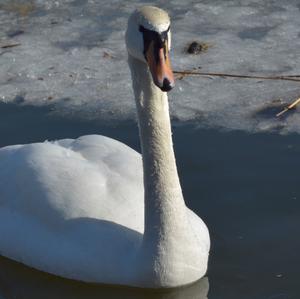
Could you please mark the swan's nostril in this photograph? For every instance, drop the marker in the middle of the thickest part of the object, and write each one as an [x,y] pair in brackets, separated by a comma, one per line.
[167,85]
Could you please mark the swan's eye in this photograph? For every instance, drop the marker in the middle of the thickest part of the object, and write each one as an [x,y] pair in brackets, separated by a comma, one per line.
[157,40]
[164,34]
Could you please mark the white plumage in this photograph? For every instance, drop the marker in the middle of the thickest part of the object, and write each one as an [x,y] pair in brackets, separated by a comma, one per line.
[76,208]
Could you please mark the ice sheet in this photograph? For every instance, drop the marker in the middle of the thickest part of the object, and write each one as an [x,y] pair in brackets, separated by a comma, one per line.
[72,57]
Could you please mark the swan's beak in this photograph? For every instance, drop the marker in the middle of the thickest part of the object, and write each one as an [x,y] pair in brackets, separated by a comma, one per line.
[160,66]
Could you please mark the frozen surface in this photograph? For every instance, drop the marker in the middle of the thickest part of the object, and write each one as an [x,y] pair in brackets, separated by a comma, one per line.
[71,55]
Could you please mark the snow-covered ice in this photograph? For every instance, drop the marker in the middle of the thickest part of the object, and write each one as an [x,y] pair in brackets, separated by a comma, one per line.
[72,57]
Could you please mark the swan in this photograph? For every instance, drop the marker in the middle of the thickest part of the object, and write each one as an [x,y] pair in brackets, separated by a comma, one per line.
[93,209]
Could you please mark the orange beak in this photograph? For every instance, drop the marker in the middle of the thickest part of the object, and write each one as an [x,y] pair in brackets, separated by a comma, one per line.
[160,66]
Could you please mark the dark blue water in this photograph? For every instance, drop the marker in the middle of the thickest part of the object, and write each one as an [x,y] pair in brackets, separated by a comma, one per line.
[244,186]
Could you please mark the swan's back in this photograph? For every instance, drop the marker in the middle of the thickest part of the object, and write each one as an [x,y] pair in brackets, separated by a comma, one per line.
[92,176]
[69,200]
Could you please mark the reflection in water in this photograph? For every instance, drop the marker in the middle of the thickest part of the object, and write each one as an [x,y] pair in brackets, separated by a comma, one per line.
[19,281]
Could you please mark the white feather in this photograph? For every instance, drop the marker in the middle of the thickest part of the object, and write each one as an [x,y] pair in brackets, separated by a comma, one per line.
[77,208]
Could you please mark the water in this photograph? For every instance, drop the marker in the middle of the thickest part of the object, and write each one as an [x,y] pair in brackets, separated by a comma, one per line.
[244,186]
[17,281]
[238,171]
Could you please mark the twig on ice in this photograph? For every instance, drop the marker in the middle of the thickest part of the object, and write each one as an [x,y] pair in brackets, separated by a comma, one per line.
[8,45]
[182,74]
[289,107]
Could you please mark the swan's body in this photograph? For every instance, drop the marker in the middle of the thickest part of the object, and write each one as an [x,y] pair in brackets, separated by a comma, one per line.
[78,209]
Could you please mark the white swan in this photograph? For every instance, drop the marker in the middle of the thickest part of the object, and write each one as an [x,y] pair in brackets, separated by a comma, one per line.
[78,209]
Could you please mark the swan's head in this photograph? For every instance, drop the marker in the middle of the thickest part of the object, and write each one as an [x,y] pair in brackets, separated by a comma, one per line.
[148,39]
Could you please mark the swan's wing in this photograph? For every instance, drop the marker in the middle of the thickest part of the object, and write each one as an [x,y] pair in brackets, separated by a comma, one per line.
[72,207]
[92,176]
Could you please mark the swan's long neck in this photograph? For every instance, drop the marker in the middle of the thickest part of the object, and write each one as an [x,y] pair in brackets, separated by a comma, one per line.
[165,212]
